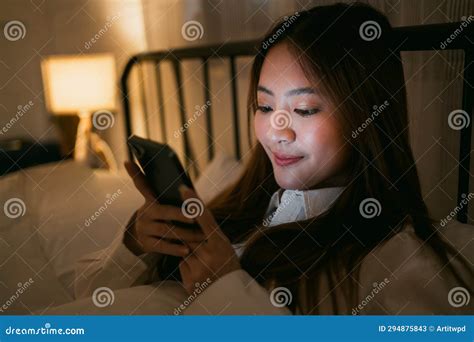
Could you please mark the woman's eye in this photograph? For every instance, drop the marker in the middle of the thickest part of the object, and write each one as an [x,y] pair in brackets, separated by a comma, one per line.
[307,112]
[265,109]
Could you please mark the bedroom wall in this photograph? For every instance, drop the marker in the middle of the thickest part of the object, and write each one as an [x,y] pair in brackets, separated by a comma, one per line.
[61,27]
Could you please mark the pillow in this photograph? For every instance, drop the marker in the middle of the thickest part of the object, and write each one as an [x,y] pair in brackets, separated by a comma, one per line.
[77,210]
[222,171]
[13,204]
[29,281]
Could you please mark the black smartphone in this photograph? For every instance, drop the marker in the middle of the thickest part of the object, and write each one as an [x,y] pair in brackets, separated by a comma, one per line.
[164,174]
[162,169]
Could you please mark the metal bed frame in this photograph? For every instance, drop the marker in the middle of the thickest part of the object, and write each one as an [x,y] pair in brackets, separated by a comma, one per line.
[410,38]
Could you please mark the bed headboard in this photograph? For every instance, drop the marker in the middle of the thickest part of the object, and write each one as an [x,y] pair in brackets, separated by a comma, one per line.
[413,38]
[227,51]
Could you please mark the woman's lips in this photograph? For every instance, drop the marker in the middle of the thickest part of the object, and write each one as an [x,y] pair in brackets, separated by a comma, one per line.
[284,160]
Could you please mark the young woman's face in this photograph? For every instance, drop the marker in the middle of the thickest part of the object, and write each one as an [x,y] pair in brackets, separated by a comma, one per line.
[297,127]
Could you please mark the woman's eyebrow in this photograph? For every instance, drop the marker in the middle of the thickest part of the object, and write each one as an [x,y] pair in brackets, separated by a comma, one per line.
[292,92]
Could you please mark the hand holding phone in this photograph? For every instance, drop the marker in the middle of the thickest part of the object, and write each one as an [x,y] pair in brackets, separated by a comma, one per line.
[149,230]
[161,227]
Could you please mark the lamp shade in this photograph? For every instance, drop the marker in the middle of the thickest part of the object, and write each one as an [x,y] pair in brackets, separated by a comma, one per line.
[79,83]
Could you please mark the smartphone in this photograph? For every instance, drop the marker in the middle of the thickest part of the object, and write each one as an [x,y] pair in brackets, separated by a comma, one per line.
[164,174]
[162,169]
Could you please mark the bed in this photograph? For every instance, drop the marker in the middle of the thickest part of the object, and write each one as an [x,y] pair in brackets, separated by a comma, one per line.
[50,227]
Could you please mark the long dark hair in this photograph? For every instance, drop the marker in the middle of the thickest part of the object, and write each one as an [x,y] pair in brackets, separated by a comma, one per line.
[360,74]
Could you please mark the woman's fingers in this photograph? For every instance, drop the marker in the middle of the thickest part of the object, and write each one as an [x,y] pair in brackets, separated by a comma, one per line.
[157,245]
[140,181]
[186,276]
[173,232]
[194,245]
[184,234]
[207,222]
[163,212]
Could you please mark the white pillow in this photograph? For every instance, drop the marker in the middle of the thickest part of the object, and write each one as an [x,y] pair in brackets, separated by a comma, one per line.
[64,197]
[12,199]
[222,171]
[29,282]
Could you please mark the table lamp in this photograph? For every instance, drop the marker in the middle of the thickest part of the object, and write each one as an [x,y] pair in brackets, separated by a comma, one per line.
[82,85]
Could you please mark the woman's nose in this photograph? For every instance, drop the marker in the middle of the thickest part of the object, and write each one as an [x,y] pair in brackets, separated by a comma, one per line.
[281,127]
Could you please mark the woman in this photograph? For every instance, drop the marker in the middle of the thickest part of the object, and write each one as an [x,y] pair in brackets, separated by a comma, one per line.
[328,217]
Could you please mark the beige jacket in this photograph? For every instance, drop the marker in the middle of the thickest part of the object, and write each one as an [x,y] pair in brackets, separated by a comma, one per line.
[401,277]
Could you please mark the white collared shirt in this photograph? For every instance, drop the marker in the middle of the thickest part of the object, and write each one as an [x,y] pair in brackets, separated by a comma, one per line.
[296,205]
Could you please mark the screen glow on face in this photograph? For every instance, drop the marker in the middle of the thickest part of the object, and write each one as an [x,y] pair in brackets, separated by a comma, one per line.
[296,126]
